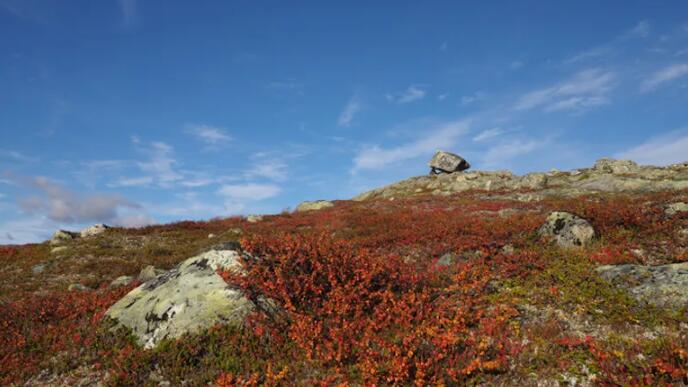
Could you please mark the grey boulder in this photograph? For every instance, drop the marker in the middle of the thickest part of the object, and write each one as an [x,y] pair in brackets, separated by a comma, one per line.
[446,162]
[189,298]
[567,230]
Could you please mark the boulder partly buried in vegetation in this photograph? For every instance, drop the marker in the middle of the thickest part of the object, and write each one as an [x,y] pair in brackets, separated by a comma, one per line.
[94,230]
[314,205]
[662,286]
[567,230]
[188,298]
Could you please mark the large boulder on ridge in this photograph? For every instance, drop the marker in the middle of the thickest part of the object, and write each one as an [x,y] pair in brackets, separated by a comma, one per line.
[189,298]
[314,206]
[446,162]
[567,230]
[94,230]
[62,236]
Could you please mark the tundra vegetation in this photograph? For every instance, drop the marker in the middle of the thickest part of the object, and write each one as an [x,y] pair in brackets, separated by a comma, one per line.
[425,290]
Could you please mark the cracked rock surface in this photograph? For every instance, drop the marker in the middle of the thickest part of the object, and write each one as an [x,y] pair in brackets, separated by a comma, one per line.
[188,298]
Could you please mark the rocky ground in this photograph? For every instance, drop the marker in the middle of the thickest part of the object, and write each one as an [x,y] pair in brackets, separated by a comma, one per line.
[484,278]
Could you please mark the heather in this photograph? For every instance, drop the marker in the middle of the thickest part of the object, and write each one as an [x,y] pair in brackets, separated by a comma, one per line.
[424,290]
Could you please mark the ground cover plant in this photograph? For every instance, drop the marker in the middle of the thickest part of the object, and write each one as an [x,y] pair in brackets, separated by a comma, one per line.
[425,290]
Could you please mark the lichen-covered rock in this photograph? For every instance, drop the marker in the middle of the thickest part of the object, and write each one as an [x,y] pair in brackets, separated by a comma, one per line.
[675,208]
[314,205]
[567,230]
[188,298]
[58,249]
[94,230]
[663,286]
[447,162]
[77,287]
[608,165]
[62,236]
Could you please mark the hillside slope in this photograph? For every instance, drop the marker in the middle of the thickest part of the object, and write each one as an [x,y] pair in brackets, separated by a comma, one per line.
[455,281]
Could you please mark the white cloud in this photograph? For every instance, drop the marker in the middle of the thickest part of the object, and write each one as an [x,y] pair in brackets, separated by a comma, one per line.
[211,135]
[249,191]
[442,97]
[411,94]
[286,86]
[444,136]
[661,150]
[488,134]
[131,182]
[350,110]
[662,76]
[585,89]
[63,205]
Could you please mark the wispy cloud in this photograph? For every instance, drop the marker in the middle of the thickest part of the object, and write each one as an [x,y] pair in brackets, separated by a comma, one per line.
[586,89]
[443,136]
[411,94]
[661,150]
[130,12]
[473,98]
[249,191]
[515,65]
[286,86]
[642,30]
[507,150]
[268,165]
[349,112]
[211,135]
[664,75]
[17,156]
[488,134]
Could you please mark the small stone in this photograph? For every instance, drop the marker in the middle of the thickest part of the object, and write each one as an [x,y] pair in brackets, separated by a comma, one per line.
[38,269]
[314,206]
[567,230]
[121,281]
[77,287]
[211,236]
[58,249]
[254,218]
[236,231]
[447,259]
[675,208]
[508,249]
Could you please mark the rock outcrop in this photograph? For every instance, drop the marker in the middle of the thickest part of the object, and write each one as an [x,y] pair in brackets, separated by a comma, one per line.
[94,230]
[446,162]
[188,298]
[62,236]
[567,230]
[314,205]
[606,175]
[676,208]
[662,286]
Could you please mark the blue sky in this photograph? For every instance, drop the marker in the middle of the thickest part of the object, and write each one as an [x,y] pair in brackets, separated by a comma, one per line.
[133,112]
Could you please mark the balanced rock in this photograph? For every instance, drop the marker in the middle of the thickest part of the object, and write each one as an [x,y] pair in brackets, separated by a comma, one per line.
[567,230]
[188,298]
[94,230]
[663,286]
[63,236]
[446,162]
[313,206]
